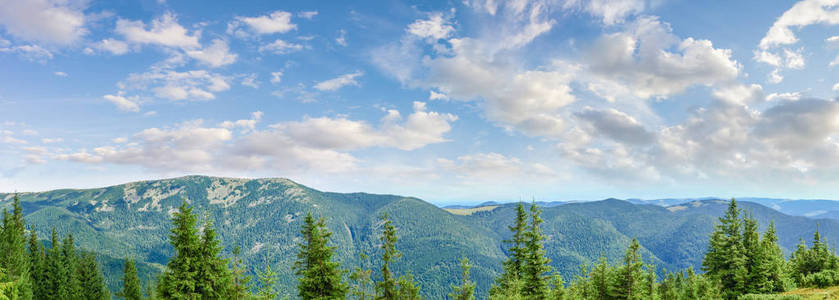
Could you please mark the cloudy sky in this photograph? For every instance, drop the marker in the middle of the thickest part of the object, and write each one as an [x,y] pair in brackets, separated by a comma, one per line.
[450,101]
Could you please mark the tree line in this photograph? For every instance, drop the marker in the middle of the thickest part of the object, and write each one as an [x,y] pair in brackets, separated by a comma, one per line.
[740,263]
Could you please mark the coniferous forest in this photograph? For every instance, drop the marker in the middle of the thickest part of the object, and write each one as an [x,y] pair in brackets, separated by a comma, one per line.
[740,263]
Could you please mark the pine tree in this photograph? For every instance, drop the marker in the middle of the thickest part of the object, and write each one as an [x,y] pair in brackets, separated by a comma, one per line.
[771,266]
[180,278]
[91,281]
[69,260]
[558,290]
[54,279]
[514,264]
[466,289]
[387,288]
[535,267]
[319,277]
[130,282]
[267,287]
[214,279]
[754,282]
[725,260]
[36,266]
[241,280]
[601,277]
[392,288]
[629,279]
[15,260]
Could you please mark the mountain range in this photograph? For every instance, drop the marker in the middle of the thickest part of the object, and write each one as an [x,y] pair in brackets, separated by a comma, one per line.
[263,217]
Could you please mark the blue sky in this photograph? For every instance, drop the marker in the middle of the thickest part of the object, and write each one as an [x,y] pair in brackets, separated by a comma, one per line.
[450,101]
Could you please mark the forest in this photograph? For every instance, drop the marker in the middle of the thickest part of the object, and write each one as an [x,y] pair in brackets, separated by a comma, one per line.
[740,263]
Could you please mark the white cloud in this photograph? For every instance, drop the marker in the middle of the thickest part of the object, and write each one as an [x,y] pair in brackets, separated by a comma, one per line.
[435,27]
[639,59]
[163,31]
[250,81]
[836,87]
[616,125]
[276,22]
[492,166]
[115,47]
[276,77]
[307,14]
[173,85]
[437,96]
[803,13]
[784,96]
[342,38]
[318,144]
[50,21]
[30,52]
[740,94]
[610,11]
[51,140]
[339,82]
[775,76]
[794,59]
[124,103]
[59,74]
[216,55]
[280,47]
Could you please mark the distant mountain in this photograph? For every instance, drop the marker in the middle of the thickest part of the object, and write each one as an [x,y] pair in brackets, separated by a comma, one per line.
[263,217]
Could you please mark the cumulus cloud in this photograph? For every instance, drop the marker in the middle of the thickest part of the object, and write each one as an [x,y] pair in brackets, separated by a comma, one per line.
[249,80]
[339,82]
[609,11]
[275,22]
[492,166]
[50,21]
[616,125]
[29,52]
[803,13]
[216,55]
[124,103]
[280,47]
[276,77]
[321,144]
[174,85]
[163,31]
[640,59]
[435,27]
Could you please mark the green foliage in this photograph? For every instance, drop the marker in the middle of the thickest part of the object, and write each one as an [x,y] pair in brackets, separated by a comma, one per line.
[390,287]
[466,289]
[362,283]
[130,282]
[267,282]
[769,297]
[535,266]
[241,280]
[91,282]
[319,277]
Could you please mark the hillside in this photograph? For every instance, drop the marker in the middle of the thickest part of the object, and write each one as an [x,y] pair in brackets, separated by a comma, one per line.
[262,216]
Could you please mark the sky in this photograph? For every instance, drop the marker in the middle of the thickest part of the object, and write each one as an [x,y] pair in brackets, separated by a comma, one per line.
[449,101]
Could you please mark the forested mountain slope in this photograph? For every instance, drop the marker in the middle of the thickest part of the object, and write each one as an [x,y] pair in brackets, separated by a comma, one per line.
[263,217]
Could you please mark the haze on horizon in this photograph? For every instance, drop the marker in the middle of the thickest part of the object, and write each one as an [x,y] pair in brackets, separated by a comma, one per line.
[451,102]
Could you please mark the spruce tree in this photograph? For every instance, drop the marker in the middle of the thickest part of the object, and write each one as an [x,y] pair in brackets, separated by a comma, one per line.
[214,279]
[241,280]
[14,258]
[754,281]
[267,282]
[91,281]
[318,276]
[725,260]
[772,263]
[70,263]
[54,279]
[514,264]
[629,278]
[180,278]
[387,288]
[466,289]
[535,266]
[36,266]
[130,282]
[558,290]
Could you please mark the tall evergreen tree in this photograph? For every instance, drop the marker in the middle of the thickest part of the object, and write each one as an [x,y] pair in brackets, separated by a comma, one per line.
[772,263]
[318,276]
[629,278]
[131,289]
[391,287]
[214,279]
[54,279]
[70,263]
[725,260]
[267,282]
[514,264]
[241,280]
[15,260]
[535,266]
[90,279]
[466,289]
[36,266]
[179,281]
